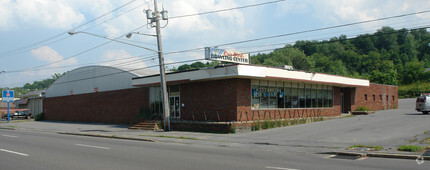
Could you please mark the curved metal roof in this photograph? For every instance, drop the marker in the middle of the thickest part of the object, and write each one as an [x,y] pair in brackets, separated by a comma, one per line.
[90,79]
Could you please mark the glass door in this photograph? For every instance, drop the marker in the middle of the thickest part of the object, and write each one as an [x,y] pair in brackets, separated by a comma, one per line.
[174,107]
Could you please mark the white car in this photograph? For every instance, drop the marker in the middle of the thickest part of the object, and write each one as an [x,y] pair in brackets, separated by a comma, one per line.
[423,103]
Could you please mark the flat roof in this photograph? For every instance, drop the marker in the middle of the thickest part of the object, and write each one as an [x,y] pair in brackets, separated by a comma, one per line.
[251,72]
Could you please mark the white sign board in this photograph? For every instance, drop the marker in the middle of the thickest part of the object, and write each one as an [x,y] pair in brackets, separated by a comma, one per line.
[226,56]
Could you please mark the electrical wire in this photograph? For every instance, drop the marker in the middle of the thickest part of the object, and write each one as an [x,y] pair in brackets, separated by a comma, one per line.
[25,48]
[229,9]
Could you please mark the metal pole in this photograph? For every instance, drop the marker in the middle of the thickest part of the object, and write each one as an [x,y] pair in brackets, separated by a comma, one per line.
[8,118]
[166,112]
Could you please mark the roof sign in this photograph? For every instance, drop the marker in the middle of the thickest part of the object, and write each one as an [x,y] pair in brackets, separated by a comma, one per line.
[226,56]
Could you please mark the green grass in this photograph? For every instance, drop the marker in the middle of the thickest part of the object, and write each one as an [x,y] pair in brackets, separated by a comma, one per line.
[362,108]
[376,148]
[426,140]
[410,148]
[175,137]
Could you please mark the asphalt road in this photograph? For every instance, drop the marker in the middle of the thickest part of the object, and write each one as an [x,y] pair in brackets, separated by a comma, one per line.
[40,150]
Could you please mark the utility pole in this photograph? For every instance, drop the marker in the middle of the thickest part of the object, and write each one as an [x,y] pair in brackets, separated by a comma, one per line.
[156,18]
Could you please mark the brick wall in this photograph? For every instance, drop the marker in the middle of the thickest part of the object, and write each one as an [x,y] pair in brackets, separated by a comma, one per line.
[210,99]
[120,106]
[381,92]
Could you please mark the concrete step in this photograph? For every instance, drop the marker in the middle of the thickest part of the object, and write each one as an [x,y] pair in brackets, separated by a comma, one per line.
[145,126]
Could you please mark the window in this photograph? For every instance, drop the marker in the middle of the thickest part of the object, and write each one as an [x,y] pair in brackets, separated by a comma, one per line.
[155,103]
[393,98]
[272,94]
[387,98]
[380,97]
[365,97]
[374,98]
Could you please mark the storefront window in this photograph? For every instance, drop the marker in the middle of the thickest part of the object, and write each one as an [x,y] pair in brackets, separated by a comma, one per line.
[272,94]
[155,100]
[320,96]
[288,97]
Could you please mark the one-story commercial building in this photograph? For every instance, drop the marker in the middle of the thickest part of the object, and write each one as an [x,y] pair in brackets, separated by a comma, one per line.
[217,98]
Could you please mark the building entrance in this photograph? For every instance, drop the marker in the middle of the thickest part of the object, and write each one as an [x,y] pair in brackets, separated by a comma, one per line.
[174,107]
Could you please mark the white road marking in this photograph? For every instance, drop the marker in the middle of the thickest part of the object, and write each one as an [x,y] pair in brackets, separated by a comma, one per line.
[91,146]
[270,167]
[22,154]
[10,136]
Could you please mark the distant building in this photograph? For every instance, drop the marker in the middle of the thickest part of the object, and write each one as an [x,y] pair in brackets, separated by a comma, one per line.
[34,101]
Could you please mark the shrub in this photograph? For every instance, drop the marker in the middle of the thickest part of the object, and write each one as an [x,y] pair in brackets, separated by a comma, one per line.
[39,117]
[362,108]
[410,148]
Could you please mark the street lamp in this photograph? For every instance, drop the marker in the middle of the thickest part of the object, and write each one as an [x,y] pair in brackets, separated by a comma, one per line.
[129,34]
[77,32]
[152,17]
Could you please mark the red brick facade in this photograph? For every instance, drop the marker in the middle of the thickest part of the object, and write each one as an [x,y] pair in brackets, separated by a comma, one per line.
[226,100]
[120,106]
[379,97]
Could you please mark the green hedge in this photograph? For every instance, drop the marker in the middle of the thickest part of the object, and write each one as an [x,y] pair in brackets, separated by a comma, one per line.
[413,90]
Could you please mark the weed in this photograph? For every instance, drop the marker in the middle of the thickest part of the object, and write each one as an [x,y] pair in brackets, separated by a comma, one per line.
[362,108]
[410,148]
[376,148]
[40,117]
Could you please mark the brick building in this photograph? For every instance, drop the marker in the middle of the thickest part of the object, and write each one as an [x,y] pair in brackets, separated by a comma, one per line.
[223,96]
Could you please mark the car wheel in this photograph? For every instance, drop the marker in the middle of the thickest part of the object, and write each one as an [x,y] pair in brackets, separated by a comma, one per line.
[425,112]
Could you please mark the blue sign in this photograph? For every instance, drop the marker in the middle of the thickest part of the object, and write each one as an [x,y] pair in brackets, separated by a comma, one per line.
[8,95]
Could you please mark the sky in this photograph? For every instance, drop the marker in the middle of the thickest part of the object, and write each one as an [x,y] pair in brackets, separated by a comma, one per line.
[35,43]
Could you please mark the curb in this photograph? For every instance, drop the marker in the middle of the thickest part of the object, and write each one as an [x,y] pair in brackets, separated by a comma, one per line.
[107,136]
[379,155]
[7,128]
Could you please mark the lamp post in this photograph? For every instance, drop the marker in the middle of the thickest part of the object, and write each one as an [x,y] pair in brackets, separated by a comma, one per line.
[152,17]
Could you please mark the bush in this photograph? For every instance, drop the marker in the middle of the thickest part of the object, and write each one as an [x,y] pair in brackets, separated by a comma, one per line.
[39,117]
[362,108]
[410,148]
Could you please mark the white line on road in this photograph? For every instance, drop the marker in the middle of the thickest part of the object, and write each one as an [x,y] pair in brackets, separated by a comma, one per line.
[91,146]
[22,154]
[10,136]
[270,167]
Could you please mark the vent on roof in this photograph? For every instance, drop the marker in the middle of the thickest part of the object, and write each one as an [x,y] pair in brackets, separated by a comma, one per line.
[286,67]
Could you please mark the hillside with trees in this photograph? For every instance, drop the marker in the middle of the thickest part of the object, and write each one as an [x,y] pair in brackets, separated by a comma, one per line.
[388,56]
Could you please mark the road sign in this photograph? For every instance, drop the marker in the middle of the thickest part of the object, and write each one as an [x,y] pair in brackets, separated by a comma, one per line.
[8,95]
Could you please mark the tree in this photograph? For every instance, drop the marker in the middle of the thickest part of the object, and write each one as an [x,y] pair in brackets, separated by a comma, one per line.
[413,71]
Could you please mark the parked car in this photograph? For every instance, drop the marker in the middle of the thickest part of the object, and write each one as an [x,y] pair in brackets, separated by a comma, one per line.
[17,115]
[423,103]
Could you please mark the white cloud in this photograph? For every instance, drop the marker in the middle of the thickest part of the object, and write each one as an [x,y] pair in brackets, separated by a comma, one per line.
[6,14]
[42,13]
[122,59]
[49,55]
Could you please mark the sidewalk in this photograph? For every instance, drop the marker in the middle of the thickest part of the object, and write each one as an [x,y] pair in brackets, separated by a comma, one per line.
[243,140]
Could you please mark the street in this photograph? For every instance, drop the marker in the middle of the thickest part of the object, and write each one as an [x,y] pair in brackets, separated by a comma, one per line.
[40,150]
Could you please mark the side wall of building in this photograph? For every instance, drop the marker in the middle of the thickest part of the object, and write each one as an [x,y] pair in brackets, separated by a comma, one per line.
[120,106]
[376,97]
[210,100]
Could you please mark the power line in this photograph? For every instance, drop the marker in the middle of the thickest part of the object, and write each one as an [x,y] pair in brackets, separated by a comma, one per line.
[229,9]
[325,28]
[25,48]
[80,53]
